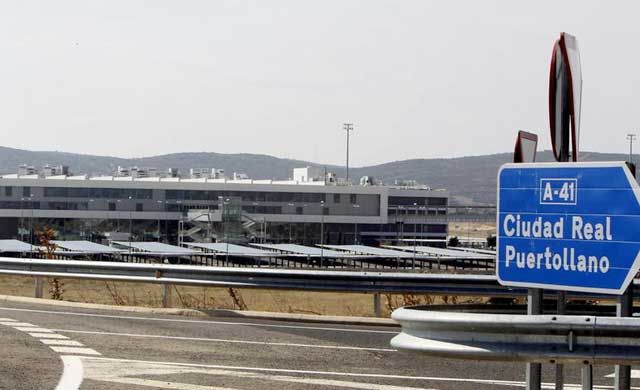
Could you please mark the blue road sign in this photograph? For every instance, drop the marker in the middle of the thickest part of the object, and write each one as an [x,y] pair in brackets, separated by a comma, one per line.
[568,226]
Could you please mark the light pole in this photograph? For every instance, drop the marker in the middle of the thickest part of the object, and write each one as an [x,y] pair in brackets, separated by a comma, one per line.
[224,202]
[91,220]
[415,235]
[21,230]
[348,127]
[355,229]
[31,222]
[631,137]
[130,220]
[159,212]
[290,238]
[321,232]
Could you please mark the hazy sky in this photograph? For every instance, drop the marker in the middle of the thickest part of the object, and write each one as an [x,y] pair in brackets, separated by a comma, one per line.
[420,79]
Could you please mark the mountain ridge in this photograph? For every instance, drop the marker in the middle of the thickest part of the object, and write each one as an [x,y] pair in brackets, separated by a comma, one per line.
[469,179]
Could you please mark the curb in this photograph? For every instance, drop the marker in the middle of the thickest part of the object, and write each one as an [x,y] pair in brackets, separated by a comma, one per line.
[264,315]
[97,306]
[223,313]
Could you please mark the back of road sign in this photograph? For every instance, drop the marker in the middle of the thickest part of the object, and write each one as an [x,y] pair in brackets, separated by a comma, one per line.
[568,226]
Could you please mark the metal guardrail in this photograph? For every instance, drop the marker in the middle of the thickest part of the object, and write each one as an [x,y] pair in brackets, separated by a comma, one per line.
[307,279]
[537,338]
[271,278]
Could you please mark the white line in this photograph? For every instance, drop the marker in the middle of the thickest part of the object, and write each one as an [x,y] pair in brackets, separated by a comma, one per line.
[331,373]
[47,336]
[32,329]
[131,373]
[75,350]
[7,319]
[66,343]
[339,374]
[228,341]
[202,322]
[72,373]
[13,323]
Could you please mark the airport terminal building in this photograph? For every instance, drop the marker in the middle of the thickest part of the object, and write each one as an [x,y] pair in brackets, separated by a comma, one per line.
[142,205]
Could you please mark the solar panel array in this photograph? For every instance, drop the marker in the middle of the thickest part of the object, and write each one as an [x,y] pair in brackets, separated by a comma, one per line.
[304,250]
[17,246]
[232,249]
[370,250]
[156,247]
[440,252]
[86,247]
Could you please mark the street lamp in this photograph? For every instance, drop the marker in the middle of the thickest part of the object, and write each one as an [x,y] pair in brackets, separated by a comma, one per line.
[130,220]
[355,230]
[160,202]
[290,239]
[89,208]
[321,232]
[348,127]
[415,235]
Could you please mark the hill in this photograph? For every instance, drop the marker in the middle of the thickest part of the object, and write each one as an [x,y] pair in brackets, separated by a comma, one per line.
[469,179]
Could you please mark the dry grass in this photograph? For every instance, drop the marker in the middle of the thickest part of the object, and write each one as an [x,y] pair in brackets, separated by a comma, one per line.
[472,229]
[150,295]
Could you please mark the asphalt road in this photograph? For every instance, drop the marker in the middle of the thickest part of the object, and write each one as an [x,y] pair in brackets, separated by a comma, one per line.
[115,350]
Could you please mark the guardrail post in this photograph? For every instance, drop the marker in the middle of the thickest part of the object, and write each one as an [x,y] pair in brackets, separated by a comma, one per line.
[587,377]
[377,305]
[624,308]
[166,295]
[534,370]
[38,287]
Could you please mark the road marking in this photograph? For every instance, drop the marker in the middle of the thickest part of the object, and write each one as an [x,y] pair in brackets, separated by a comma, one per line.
[75,350]
[42,336]
[32,329]
[72,373]
[312,372]
[228,341]
[15,323]
[117,369]
[66,343]
[202,322]
[125,372]
[71,378]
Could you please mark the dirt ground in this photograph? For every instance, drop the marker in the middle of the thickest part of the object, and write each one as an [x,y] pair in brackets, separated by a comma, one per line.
[472,229]
[150,295]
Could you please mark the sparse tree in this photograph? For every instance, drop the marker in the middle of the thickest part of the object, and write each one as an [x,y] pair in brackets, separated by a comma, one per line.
[45,238]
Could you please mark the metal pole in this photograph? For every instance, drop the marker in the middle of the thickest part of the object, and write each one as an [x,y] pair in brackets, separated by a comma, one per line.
[561,307]
[321,233]
[38,287]
[347,127]
[624,308]
[631,137]
[534,307]
[130,221]
[587,377]
[159,221]
[377,306]
[166,295]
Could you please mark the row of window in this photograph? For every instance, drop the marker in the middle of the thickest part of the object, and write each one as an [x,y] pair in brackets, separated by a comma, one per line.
[410,228]
[416,201]
[98,193]
[417,212]
[248,196]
